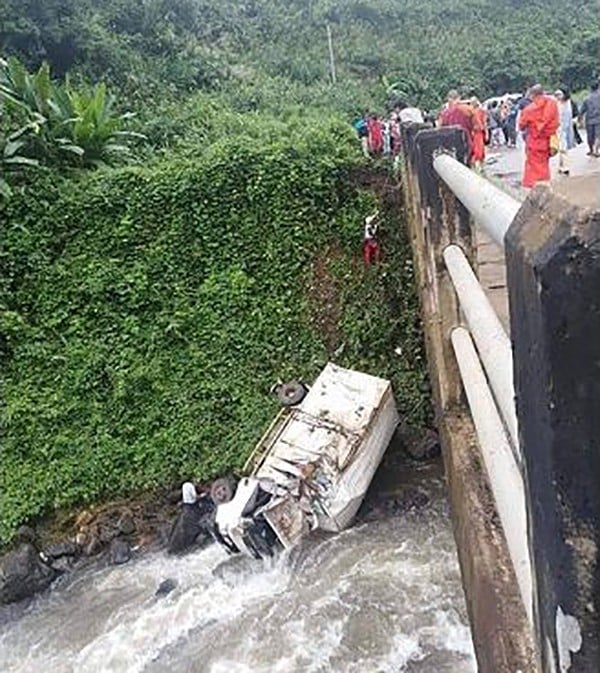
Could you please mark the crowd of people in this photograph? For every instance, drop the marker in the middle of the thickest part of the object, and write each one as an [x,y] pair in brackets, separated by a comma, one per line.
[379,135]
[547,125]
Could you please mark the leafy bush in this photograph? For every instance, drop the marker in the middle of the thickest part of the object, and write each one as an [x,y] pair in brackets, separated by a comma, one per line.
[60,124]
[11,159]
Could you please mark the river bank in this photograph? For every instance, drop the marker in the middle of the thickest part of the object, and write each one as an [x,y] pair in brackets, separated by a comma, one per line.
[117,531]
[384,595]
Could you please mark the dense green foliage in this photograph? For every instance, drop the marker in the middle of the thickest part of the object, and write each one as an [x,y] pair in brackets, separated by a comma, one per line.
[146,310]
[159,46]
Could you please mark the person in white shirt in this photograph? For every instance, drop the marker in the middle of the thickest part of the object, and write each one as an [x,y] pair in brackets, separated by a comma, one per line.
[409,114]
[370,243]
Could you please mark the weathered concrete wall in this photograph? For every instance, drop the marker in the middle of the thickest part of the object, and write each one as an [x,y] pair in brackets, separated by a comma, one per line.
[501,632]
[553,257]
[498,621]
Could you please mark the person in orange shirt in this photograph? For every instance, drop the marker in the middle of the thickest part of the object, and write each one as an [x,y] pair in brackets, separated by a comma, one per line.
[539,121]
[478,135]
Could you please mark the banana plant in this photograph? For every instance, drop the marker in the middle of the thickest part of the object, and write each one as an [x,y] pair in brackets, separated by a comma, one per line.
[11,159]
[88,125]
[26,100]
[392,88]
[78,127]
[30,92]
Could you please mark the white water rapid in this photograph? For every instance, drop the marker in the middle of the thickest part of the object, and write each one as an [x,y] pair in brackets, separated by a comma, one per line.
[382,597]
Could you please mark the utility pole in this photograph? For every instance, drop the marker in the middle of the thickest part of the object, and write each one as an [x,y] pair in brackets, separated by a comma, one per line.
[331,56]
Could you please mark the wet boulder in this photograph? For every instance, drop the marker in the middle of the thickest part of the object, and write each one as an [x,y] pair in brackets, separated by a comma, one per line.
[126,524]
[192,526]
[165,587]
[409,501]
[23,574]
[61,549]
[119,552]
[25,534]
[107,532]
[424,447]
[64,564]
[92,546]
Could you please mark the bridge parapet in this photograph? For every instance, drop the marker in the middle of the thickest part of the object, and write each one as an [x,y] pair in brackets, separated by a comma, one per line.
[553,265]
[532,582]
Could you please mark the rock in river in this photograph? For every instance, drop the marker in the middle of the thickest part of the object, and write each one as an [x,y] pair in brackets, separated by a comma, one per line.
[23,574]
[165,587]
[60,549]
[120,551]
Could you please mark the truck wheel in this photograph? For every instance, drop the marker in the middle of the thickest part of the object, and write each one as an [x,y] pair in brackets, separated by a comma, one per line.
[222,490]
[290,394]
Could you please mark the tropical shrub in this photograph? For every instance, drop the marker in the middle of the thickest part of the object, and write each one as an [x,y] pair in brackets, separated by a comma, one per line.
[11,159]
[61,124]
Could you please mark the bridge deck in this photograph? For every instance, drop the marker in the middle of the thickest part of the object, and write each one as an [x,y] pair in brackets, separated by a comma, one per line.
[492,275]
[506,171]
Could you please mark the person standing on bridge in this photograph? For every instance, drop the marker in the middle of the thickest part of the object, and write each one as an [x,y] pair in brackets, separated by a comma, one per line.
[590,109]
[479,134]
[539,121]
[409,114]
[565,132]
[457,113]
[574,114]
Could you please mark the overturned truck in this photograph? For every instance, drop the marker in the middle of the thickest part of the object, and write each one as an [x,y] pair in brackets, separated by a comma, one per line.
[313,466]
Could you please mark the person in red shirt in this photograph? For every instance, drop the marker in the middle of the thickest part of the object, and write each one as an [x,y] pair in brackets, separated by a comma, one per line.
[370,243]
[457,113]
[539,121]
[375,137]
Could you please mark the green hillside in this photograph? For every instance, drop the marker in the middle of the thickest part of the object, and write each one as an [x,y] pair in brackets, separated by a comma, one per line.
[485,45]
[180,45]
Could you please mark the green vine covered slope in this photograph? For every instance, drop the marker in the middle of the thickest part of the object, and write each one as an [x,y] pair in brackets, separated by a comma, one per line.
[149,310]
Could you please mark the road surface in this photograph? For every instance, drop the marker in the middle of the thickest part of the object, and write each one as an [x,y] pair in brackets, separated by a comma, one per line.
[504,167]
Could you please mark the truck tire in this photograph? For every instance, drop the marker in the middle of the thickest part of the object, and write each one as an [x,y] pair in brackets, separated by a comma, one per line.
[292,393]
[222,490]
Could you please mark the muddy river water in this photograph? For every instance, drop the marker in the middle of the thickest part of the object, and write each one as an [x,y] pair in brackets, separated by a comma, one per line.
[382,597]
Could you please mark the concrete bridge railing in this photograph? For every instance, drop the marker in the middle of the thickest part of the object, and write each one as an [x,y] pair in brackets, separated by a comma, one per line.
[524,479]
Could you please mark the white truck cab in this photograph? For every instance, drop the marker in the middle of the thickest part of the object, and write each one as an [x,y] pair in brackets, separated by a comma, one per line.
[313,466]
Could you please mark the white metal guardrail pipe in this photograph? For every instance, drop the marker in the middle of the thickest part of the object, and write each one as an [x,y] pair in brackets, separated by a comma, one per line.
[505,478]
[492,343]
[491,208]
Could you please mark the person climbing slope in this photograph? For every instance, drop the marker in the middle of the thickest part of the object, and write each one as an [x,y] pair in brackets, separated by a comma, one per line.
[362,131]
[371,251]
[375,138]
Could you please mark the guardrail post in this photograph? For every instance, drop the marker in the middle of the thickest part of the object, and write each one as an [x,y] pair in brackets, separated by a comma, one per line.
[412,200]
[553,264]
[444,221]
